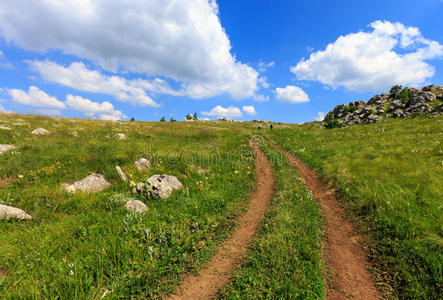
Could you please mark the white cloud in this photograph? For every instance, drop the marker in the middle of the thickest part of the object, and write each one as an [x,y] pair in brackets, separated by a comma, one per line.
[320,116]
[263,81]
[38,98]
[105,110]
[221,112]
[181,40]
[261,98]
[34,97]
[250,110]
[79,77]
[367,61]
[262,66]
[292,94]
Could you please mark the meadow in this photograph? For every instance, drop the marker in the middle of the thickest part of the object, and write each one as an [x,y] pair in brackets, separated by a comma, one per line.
[85,246]
[390,177]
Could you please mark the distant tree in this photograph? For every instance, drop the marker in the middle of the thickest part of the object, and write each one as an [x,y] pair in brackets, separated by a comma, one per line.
[172,120]
[188,117]
[132,119]
[163,119]
[395,90]
[194,117]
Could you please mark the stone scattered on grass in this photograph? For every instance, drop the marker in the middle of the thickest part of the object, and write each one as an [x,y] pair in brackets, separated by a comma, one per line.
[4,148]
[142,164]
[90,184]
[5,128]
[211,145]
[136,206]
[121,173]
[74,133]
[121,136]
[162,186]
[9,212]
[40,131]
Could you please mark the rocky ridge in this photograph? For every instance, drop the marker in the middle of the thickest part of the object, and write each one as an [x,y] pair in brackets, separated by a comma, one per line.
[399,103]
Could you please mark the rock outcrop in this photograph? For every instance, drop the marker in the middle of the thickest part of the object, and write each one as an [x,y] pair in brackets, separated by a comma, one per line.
[90,184]
[398,104]
[9,212]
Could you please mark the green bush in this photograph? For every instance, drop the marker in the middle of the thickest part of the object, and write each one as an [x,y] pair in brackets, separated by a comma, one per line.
[404,95]
[332,124]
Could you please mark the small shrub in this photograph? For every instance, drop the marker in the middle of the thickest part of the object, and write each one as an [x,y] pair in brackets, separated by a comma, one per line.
[404,95]
[332,124]
[395,90]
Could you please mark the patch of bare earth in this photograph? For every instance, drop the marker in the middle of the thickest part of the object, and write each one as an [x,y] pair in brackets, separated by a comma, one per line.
[231,253]
[3,272]
[347,265]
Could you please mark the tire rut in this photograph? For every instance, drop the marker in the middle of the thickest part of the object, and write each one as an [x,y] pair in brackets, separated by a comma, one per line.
[231,252]
[347,265]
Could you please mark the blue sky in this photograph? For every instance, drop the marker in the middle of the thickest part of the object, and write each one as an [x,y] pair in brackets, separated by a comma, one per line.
[277,60]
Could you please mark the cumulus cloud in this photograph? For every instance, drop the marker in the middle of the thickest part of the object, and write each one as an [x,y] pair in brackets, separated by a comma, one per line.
[79,77]
[292,94]
[320,116]
[221,112]
[34,97]
[105,110]
[390,53]
[182,40]
[249,110]
[38,98]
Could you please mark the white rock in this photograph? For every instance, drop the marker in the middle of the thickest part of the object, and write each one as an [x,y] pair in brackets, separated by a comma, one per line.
[121,136]
[121,173]
[90,184]
[74,133]
[8,212]
[142,164]
[40,131]
[4,148]
[137,206]
[163,185]
[5,128]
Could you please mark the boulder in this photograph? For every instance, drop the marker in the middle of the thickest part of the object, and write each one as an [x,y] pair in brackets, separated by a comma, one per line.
[358,104]
[90,184]
[161,186]
[398,113]
[421,97]
[379,99]
[138,188]
[4,148]
[121,136]
[40,131]
[136,206]
[9,212]
[121,173]
[397,104]
[142,164]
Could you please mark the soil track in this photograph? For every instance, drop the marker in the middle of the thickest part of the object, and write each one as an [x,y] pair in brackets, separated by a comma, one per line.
[231,252]
[346,262]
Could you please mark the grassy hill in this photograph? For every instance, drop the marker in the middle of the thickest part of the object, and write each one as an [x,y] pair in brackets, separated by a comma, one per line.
[391,177]
[389,174]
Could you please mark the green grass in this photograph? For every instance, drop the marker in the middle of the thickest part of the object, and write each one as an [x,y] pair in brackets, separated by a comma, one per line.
[83,246]
[391,180]
[285,258]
